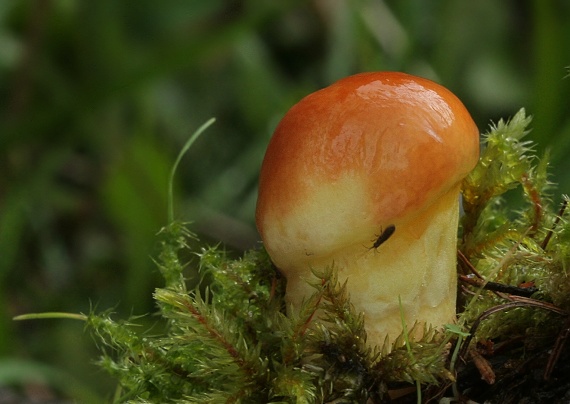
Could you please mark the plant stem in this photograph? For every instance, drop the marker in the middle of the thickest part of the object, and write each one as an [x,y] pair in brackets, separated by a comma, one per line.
[51,315]
[187,145]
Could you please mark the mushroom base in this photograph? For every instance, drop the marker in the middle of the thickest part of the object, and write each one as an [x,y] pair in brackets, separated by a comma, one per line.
[416,265]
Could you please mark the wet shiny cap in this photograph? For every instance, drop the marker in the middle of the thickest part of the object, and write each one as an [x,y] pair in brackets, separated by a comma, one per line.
[364,153]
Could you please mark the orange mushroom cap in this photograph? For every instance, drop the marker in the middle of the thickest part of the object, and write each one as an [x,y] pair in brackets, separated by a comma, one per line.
[405,139]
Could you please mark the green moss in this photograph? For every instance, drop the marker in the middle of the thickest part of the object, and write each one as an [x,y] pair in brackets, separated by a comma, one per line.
[229,340]
[519,255]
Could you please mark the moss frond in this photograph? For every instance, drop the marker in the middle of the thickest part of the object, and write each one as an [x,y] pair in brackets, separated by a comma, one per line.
[424,361]
[505,162]
[173,239]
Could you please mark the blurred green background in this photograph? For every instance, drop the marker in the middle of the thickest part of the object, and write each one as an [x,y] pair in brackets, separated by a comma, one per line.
[97,98]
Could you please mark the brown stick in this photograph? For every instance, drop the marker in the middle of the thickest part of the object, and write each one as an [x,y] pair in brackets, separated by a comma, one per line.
[556,221]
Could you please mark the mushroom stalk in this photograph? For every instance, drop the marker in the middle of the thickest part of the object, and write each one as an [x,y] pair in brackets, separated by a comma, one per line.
[416,265]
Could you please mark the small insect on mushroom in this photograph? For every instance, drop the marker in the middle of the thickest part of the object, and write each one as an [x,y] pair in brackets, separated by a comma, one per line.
[385,235]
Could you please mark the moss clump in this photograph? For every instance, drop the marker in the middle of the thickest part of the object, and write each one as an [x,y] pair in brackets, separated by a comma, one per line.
[513,265]
[514,253]
[229,340]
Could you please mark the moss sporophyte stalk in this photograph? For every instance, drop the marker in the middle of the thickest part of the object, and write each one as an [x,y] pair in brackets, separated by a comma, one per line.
[229,340]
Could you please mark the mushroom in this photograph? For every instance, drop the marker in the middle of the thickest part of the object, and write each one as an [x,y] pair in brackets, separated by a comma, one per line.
[364,175]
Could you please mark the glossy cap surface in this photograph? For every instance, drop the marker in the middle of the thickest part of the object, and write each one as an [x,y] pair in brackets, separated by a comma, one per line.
[367,152]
